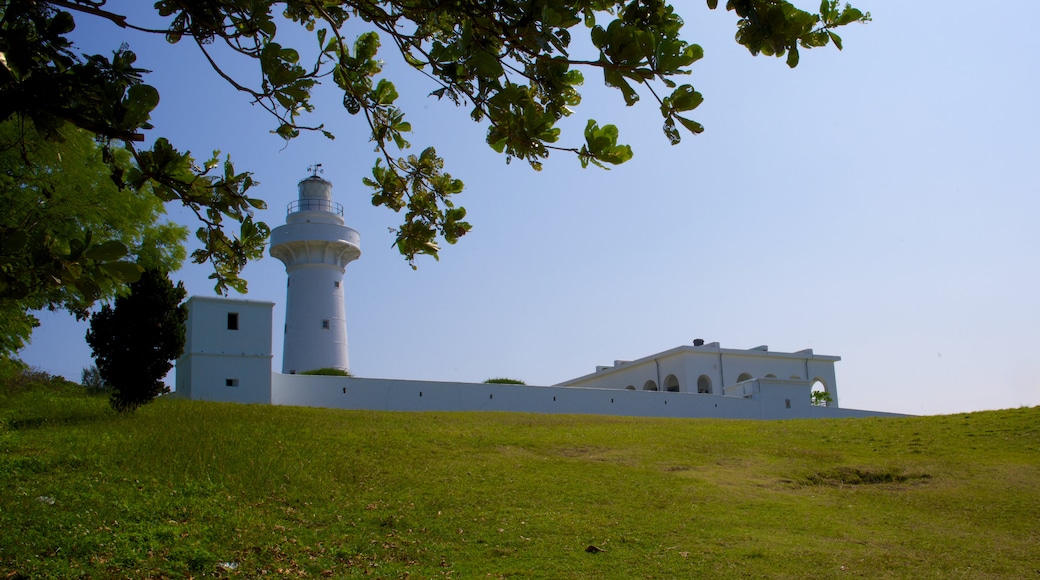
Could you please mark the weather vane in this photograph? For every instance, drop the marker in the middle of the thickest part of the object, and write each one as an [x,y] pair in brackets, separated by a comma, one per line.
[315,169]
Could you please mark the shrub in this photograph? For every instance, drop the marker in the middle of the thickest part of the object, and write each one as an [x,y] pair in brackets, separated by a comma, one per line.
[327,371]
[504,381]
[27,378]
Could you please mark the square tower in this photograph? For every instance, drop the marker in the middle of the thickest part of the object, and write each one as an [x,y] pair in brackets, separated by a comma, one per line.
[227,351]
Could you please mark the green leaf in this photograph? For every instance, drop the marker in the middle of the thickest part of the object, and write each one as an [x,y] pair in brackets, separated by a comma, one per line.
[139,103]
[685,98]
[108,251]
[484,65]
[385,93]
[126,272]
[792,57]
[693,126]
[614,79]
[671,132]
[835,38]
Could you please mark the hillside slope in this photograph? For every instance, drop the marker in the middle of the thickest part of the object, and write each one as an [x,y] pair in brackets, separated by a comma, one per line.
[189,489]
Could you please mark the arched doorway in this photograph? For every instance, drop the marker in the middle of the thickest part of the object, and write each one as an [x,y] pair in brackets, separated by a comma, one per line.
[704,384]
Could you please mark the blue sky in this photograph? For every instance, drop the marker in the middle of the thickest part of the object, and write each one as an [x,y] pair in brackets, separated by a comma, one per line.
[878,203]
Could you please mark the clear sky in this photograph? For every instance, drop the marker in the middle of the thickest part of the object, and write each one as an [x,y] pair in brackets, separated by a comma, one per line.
[879,204]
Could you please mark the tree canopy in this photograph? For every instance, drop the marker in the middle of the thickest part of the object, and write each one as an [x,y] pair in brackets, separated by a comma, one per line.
[68,234]
[512,63]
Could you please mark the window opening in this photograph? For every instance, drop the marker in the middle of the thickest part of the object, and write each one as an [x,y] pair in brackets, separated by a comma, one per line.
[671,384]
[232,321]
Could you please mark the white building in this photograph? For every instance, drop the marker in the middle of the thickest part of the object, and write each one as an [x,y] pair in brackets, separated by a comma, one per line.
[315,247]
[711,370]
[228,358]
[227,351]
[227,354]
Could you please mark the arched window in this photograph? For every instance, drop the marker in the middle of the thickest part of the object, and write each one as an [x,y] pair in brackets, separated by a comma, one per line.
[704,384]
[671,384]
[630,388]
[796,378]
[744,377]
[770,376]
[649,386]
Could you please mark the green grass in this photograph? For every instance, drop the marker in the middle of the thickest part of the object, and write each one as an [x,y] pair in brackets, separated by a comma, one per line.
[182,488]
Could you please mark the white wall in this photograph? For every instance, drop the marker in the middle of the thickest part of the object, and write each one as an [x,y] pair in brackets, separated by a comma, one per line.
[228,379]
[206,330]
[221,363]
[394,395]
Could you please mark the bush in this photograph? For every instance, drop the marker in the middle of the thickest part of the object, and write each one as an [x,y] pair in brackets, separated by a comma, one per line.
[327,371]
[26,378]
[504,381]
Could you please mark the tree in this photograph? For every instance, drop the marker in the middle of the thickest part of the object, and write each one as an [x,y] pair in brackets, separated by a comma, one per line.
[68,234]
[134,342]
[820,398]
[511,62]
[91,380]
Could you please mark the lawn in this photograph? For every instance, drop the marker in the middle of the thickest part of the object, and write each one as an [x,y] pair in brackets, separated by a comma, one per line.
[190,489]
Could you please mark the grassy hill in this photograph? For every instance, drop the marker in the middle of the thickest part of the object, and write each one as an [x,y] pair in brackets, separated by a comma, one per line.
[187,489]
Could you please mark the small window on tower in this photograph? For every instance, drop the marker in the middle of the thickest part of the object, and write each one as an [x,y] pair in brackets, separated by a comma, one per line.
[232,321]
[336,284]
[325,324]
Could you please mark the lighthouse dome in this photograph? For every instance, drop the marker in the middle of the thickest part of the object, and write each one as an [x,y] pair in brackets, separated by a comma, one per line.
[315,187]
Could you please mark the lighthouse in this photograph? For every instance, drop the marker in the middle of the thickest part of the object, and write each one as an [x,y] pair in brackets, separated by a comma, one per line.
[315,246]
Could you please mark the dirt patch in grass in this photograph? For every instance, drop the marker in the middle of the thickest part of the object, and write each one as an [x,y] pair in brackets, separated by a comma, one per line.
[844,476]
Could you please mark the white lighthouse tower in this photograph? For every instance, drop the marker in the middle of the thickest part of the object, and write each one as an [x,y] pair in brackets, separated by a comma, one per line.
[315,247]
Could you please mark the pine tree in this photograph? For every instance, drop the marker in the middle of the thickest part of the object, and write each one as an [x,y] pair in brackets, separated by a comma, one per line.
[134,342]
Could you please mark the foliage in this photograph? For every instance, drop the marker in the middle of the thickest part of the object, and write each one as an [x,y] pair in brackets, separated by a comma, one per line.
[820,398]
[297,492]
[68,234]
[134,342]
[91,380]
[19,377]
[511,63]
[45,86]
[504,381]
[327,371]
